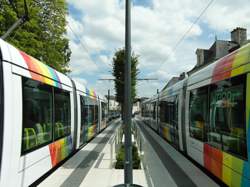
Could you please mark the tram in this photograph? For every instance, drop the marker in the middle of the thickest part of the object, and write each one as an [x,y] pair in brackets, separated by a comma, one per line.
[44,117]
[207,117]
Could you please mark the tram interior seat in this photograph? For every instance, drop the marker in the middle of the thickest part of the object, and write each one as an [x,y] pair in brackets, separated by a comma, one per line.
[59,130]
[47,131]
[30,138]
[40,133]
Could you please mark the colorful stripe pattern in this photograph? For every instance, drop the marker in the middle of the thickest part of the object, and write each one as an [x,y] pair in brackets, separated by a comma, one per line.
[91,93]
[230,169]
[91,132]
[226,167]
[87,91]
[232,65]
[165,132]
[60,149]
[41,72]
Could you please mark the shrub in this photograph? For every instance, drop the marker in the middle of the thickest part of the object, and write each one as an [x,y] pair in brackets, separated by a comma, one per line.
[120,157]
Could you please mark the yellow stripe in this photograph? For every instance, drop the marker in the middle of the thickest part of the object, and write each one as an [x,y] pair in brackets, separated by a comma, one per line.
[45,72]
[241,58]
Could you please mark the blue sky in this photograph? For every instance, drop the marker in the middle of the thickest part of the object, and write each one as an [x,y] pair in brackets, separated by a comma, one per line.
[145,3]
[156,27]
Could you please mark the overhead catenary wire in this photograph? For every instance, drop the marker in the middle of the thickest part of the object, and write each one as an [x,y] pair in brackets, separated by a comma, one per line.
[82,44]
[182,38]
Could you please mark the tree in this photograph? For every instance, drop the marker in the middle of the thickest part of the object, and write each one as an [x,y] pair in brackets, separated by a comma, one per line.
[44,35]
[118,73]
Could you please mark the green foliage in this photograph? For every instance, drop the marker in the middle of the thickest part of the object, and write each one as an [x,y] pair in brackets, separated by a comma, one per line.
[121,157]
[118,73]
[44,35]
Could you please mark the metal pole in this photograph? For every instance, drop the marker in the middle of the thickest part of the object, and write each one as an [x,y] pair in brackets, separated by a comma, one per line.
[12,28]
[108,102]
[157,111]
[128,169]
[20,21]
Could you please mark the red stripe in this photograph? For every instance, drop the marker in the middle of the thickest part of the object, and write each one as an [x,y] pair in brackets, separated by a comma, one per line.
[223,68]
[213,159]
[32,66]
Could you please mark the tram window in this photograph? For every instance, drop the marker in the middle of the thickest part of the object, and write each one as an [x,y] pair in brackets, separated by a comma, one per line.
[163,111]
[154,110]
[96,113]
[227,120]
[37,114]
[84,120]
[104,106]
[171,113]
[168,111]
[175,113]
[198,112]
[62,113]
[91,111]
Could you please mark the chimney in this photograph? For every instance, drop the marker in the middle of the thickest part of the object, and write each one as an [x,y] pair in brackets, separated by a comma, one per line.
[200,57]
[239,35]
[182,76]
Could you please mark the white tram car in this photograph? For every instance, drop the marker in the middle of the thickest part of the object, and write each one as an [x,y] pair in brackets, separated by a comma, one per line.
[207,116]
[44,117]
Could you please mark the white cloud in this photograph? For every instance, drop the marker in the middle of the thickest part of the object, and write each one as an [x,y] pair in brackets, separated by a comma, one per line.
[81,81]
[81,63]
[155,31]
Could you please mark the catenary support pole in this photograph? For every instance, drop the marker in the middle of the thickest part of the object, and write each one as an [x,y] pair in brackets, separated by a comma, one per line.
[12,28]
[157,110]
[128,169]
[108,102]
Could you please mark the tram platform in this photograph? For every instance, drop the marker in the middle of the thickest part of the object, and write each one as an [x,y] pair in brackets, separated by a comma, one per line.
[164,166]
[161,164]
[93,165]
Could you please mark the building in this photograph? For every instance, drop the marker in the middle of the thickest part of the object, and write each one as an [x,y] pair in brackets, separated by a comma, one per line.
[174,80]
[220,48]
[113,104]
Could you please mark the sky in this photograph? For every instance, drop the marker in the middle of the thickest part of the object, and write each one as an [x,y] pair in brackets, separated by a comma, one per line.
[96,29]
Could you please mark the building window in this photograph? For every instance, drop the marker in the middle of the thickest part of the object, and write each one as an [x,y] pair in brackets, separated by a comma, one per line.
[37,114]
[198,112]
[227,129]
[62,113]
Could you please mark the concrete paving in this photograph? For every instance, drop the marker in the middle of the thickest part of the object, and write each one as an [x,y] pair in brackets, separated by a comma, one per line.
[92,166]
[162,165]
[165,166]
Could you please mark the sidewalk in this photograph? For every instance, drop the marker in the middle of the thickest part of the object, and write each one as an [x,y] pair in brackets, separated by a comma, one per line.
[92,165]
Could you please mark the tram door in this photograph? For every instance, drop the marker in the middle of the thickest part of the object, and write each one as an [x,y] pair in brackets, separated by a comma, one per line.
[173,113]
[84,120]
[169,120]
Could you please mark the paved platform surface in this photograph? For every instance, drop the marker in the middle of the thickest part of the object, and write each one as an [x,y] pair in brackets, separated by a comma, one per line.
[92,166]
[165,166]
[162,165]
